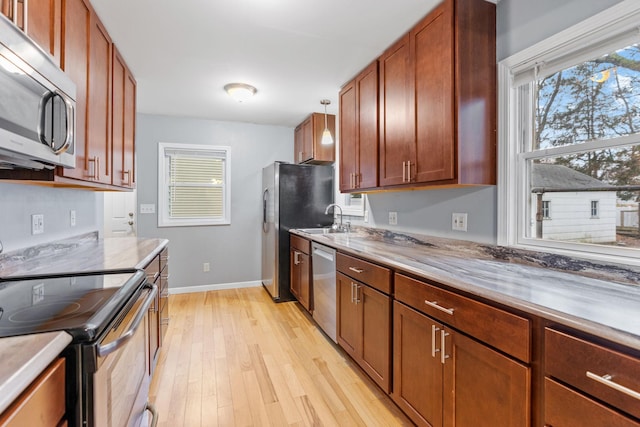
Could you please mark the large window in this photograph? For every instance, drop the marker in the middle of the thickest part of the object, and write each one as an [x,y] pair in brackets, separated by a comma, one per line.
[193,185]
[570,138]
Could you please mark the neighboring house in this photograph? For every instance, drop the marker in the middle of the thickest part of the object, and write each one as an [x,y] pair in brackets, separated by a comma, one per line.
[571,206]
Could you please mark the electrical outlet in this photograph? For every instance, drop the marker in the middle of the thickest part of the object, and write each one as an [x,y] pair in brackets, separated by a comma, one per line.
[37,224]
[72,218]
[459,221]
[205,267]
[37,293]
[393,218]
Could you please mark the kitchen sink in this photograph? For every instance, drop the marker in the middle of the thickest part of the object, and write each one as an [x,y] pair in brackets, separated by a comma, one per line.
[323,230]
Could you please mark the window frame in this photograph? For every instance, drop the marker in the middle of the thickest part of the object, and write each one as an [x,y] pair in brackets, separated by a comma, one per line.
[595,206]
[546,207]
[513,158]
[163,181]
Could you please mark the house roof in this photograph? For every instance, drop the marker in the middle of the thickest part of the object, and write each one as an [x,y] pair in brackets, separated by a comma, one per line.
[548,177]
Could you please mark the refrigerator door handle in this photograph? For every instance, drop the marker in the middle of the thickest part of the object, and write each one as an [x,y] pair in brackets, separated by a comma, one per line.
[265,195]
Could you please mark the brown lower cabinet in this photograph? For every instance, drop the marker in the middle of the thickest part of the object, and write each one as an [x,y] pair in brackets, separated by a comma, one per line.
[444,378]
[42,404]
[300,271]
[364,327]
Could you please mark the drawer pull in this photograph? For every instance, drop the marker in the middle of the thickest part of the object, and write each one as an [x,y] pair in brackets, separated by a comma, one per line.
[356,270]
[608,381]
[435,305]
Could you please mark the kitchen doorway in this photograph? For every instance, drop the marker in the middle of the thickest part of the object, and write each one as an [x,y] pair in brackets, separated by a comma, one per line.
[120,216]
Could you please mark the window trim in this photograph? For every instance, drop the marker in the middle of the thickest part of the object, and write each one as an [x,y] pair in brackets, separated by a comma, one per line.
[163,211]
[594,204]
[623,17]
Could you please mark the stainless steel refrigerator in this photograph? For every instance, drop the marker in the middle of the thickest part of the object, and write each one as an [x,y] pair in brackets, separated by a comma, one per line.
[293,196]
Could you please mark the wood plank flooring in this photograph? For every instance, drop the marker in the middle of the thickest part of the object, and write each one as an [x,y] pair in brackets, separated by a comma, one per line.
[235,358]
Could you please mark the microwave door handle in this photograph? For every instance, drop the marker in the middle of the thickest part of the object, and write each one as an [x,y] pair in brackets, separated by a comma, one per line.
[46,99]
[106,349]
[69,124]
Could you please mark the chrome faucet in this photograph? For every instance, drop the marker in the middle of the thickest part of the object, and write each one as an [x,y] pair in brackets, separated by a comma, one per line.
[326,212]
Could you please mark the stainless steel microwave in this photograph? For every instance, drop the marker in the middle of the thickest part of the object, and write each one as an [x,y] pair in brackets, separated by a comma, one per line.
[37,105]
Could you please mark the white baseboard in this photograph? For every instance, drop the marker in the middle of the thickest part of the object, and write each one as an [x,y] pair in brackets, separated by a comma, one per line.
[218,287]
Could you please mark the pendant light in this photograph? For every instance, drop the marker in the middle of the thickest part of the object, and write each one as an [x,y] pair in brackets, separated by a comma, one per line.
[327,139]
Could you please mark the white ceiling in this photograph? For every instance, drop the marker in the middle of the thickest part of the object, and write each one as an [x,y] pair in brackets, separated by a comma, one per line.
[295,52]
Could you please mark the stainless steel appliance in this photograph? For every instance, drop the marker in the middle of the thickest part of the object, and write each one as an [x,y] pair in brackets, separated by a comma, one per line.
[37,105]
[323,265]
[107,361]
[294,196]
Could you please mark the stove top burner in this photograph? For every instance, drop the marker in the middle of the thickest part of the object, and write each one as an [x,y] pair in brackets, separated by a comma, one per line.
[81,305]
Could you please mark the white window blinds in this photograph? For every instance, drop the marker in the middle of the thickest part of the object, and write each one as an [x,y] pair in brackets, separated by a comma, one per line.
[196,187]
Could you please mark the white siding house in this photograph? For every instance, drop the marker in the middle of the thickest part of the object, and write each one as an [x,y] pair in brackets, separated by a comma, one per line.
[571,206]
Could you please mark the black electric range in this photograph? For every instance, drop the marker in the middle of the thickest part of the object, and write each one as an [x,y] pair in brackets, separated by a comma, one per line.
[104,313]
[82,305]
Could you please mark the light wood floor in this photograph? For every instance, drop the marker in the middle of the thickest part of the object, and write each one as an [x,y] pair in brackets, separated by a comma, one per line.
[234,358]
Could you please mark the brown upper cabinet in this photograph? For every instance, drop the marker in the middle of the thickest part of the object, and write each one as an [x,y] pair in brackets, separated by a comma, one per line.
[437,104]
[39,19]
[307,140]
[123,123]
[359,131]
[104,146]
[89,66]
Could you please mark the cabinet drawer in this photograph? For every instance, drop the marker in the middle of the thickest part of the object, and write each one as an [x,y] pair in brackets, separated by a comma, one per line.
[42,403]
[153,270]
[300,243]
[371,274]
[498,328]
[565,407]
[164,259]
[582,364]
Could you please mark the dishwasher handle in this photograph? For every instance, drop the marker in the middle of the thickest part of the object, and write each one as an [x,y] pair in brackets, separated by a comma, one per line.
[329,256]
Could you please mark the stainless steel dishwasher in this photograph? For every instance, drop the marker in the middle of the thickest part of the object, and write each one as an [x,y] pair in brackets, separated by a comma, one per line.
[323,260]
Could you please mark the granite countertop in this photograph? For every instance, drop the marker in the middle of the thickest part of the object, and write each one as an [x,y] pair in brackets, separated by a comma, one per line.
[600,299]
[24,358]
[85,253]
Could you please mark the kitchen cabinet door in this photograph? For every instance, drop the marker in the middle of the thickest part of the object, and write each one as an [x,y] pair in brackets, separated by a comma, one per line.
[359,131]
[432,49]
[348,167]
[123,123]
[75,62]
[482,388]
[397,126]
[417,370]
[99,101]
[300,282]
[375,353]
[348,321]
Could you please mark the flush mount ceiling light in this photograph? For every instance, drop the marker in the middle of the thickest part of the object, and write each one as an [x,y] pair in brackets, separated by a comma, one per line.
[327,139]
[240,91]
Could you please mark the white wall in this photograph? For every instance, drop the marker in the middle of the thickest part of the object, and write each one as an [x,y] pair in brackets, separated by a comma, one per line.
[19,201]
[233,251]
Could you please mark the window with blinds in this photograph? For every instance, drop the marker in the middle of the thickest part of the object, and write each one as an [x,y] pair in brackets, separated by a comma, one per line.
[195,185]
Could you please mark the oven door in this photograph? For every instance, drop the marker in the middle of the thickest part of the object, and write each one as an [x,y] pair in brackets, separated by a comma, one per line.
[121,382]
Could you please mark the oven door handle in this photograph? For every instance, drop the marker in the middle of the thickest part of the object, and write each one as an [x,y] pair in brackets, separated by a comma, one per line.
[106,349]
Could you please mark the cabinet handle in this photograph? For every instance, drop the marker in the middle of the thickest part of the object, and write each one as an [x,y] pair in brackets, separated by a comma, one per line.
[352,293]
[435,305]
[404,171]
[299,156]
[434,349]
[608,381]
[357,293]
[25,15]
[443,342]
[356,270]
[409,171]
[96,166]
[128,174]
[296,260]
[14,12]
